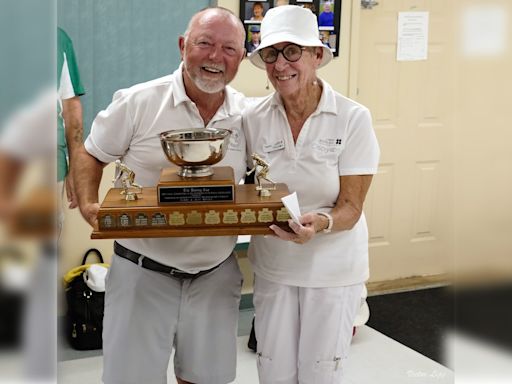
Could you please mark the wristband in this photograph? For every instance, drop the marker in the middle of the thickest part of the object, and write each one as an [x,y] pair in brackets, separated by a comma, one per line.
[329,218]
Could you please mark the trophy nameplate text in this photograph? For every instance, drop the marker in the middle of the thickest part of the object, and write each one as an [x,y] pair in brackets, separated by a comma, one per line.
[219,187]
[185,204]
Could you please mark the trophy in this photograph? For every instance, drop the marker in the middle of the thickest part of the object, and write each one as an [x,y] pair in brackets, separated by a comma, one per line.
[193,197]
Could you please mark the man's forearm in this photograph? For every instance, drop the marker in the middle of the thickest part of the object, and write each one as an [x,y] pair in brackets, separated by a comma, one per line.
[88,172]
[72,114]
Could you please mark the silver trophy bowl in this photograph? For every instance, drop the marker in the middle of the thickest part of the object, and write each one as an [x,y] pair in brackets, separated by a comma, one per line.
[194,150]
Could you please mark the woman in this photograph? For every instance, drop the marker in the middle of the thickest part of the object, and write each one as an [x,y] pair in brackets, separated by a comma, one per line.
[257,11]
[308,281]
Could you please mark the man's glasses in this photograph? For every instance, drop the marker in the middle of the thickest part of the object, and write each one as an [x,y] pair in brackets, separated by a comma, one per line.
[291,52]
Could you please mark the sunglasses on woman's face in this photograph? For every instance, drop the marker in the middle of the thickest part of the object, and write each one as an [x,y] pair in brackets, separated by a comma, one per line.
[291,52]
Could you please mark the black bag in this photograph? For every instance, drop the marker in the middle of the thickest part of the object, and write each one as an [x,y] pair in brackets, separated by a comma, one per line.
[12,302]
[84,318]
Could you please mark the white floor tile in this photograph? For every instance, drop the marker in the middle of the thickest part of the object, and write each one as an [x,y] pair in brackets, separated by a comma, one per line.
[374,358]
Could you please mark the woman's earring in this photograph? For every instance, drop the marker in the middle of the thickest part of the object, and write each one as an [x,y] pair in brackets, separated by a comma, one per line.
[268,86]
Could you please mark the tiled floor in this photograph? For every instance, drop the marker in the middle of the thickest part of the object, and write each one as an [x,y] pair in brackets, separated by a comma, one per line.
[375,358]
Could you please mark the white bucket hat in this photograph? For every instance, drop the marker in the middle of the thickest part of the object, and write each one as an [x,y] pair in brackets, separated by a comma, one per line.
[289,23]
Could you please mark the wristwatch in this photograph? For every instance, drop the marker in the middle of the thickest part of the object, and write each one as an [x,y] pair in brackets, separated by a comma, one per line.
[329,219]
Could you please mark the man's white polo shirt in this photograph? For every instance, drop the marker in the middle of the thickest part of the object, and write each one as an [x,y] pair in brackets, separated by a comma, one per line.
[336,140]
[129,128]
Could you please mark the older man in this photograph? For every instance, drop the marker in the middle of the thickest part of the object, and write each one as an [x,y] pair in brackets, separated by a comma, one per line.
[326,18]
[254,39]
[148,310]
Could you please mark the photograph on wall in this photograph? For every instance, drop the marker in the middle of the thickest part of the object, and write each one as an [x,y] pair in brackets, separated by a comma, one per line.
[328,38]
[309,5]
[326,14]
[255,11]
[253,37]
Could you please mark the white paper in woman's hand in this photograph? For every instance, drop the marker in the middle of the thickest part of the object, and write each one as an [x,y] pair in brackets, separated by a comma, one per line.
[292,205]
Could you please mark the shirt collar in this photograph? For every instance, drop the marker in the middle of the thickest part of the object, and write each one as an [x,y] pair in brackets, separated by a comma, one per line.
[326,104]
[178,87]
[228,108]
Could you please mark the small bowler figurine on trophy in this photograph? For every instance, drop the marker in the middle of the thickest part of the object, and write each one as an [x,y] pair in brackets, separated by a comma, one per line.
[264,190]
[127,177]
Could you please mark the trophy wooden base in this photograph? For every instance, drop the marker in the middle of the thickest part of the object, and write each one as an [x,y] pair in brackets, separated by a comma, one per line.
[248,214]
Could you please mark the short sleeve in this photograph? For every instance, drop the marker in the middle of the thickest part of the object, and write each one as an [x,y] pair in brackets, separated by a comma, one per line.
[69,82]
[111,131]
[360,155]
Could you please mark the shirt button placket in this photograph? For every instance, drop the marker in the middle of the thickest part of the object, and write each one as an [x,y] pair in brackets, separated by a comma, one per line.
[293,152]
[198,121]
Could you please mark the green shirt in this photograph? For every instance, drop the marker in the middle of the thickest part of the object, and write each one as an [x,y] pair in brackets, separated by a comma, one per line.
[68,85]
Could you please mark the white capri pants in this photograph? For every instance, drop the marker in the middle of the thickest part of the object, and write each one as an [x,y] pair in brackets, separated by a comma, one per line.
[303,334]
[147,313]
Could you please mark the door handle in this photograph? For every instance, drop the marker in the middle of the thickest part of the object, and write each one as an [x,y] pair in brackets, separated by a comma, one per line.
[368,4]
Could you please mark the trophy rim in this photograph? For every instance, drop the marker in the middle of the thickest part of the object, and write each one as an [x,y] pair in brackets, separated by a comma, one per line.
[167,135]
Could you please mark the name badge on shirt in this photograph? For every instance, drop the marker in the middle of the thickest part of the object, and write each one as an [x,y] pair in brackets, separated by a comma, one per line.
[273,147]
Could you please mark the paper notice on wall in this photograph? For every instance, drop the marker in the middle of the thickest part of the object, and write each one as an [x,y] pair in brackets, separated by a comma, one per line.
[412,36]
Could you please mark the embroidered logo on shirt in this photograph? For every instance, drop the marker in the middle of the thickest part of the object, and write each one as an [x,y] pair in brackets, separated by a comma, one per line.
[327,145]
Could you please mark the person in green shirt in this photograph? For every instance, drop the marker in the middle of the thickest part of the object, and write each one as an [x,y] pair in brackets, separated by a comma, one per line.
[69,109]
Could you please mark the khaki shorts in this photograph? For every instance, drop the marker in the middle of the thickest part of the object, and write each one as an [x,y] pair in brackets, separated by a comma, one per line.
[147,313]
